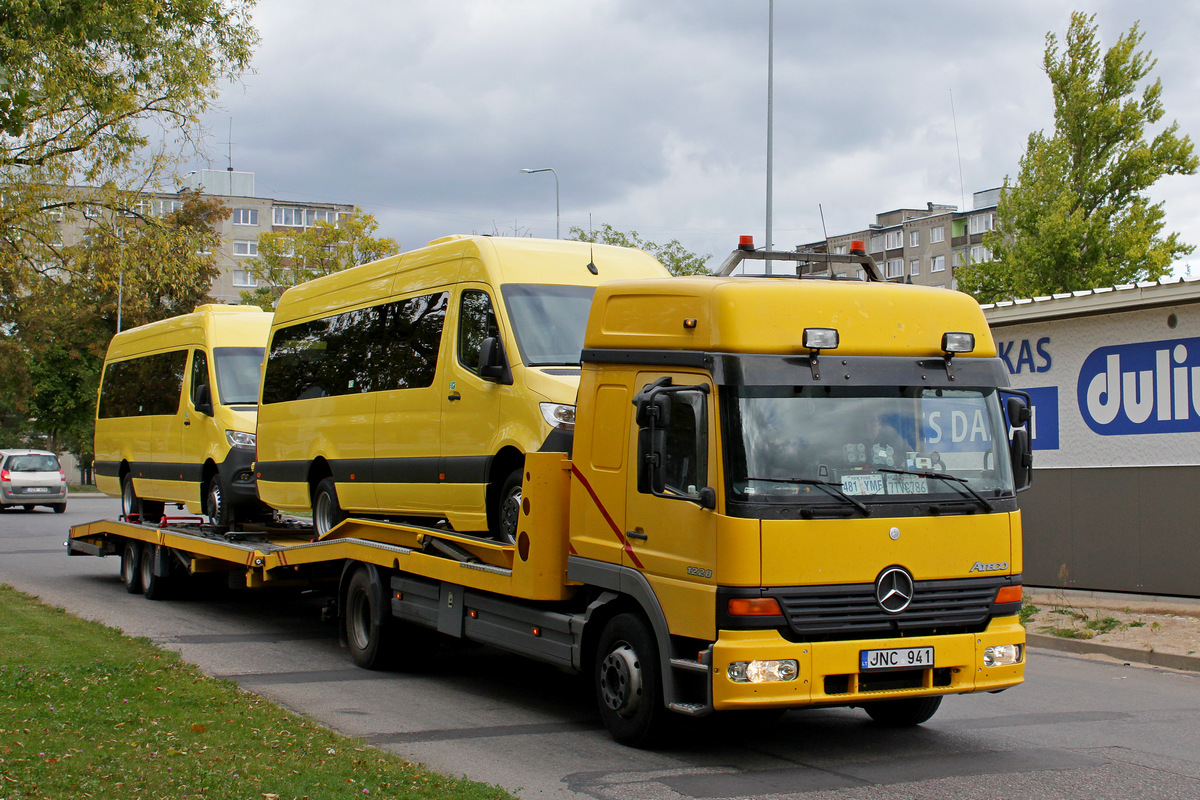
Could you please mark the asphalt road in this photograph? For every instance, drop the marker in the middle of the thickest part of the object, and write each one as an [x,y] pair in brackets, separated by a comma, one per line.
[1077,729]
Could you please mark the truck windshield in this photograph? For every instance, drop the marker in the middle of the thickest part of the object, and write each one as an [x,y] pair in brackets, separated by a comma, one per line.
[238,373]
[548,321]
[871,444]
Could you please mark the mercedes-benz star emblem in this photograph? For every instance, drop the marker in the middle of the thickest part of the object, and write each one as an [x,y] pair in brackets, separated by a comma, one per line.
[894,590]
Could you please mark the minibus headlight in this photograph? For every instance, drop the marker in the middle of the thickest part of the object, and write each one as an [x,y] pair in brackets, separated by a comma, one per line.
[559,415]
[764,671]
[240,439]
[1002,655]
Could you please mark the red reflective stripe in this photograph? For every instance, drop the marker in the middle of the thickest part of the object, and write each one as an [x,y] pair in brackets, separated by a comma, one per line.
[615,528]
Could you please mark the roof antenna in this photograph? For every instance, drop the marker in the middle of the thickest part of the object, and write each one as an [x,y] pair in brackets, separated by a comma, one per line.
[592,261]
[825,233]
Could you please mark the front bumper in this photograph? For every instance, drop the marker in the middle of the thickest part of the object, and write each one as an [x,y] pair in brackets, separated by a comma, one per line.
[829,673]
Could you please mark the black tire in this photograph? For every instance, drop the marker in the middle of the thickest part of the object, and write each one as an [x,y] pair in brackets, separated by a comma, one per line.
[628,681]
[61,508]
[216,505]
[29,506]
[131,566]
[327,512]
[154,587]
[149,512]
[508,508]
[903,713]
[368,622]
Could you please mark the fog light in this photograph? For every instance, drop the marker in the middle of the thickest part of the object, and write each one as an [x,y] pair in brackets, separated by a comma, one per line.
[764,671]
[1002,655]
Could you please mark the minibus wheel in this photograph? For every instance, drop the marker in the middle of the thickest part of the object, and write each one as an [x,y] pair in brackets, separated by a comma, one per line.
[327,512]
[508,512]
[215,506]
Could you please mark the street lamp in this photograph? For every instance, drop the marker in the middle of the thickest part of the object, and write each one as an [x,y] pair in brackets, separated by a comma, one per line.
[557,213]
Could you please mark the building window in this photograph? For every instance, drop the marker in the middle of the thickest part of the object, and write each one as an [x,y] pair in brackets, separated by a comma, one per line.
[914,267]
[893,239]
[166,207]
[980,255]
[895,267]
[242,277]
[245,247]
[914,238]
[981,223]
[937,264]
[245,216]
[840,249]
[960,257]
[937,234]
[288,215]
[876,244]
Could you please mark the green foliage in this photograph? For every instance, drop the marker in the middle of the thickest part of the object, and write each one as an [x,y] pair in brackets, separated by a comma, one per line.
[86,712]
[1078,216]
[287,259]
[674,256]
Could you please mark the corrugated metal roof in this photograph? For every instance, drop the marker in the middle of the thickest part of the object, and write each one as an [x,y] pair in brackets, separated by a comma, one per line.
[1103,300]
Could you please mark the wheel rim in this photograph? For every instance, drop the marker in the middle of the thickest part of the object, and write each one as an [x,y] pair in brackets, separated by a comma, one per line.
[510,514]
[215,500]
[147,566]
[128,497]
[129,565]
[360,620]
[621,681]
[323,514]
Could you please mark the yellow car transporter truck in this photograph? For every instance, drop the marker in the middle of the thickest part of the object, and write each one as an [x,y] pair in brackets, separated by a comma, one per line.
[783,491]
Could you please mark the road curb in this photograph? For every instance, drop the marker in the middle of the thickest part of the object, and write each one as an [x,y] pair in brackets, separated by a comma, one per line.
[1127,654]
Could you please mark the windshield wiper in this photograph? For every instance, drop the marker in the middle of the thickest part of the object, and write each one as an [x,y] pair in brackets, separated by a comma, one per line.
[953,479]
[830,488]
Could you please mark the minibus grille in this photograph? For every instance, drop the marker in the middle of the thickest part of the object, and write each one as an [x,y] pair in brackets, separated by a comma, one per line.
[850,610]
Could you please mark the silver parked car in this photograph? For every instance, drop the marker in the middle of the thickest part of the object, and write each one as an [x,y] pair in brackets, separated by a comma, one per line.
[31,478]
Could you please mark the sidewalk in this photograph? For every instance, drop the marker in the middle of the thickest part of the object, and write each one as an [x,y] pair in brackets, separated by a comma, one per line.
[1135,629]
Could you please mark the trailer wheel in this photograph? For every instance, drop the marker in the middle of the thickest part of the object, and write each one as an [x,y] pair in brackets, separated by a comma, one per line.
[327,512]
[154,587]
[628,683]
[367,630]
[131,568]
[903,713]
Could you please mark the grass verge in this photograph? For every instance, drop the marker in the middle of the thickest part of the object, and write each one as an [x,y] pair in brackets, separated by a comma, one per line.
[87,712]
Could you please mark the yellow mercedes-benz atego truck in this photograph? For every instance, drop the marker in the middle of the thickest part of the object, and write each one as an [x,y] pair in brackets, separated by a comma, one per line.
[780,492]
[414,386]
[176,413]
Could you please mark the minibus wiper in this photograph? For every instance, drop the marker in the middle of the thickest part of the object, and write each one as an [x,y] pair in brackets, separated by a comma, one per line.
[830,488]
[952,479]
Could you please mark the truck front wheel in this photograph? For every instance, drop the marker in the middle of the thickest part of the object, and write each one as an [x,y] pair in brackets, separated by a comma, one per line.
[903,713]
[367,631]
[628,683]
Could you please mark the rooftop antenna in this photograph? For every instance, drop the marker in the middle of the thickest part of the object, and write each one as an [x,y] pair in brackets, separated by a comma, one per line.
[825,233]
[961,186]
[229,145]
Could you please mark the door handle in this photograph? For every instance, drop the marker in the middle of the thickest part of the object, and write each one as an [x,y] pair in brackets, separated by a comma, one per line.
[453,396]
[637,534]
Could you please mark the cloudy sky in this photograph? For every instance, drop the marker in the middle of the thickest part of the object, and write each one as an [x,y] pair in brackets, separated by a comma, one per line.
[654,112]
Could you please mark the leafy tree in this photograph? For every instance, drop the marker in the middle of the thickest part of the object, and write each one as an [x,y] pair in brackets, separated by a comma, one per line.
[286,259]
[674,256]
[1078,216]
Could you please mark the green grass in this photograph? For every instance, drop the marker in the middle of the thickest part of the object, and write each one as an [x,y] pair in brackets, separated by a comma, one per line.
[1028,610]
[87,712]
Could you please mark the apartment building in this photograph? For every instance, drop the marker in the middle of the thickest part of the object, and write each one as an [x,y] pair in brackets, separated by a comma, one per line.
[250,216]
[924,245]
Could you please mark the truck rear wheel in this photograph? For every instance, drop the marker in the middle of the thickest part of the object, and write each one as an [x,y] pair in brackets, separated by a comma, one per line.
[154,587]
[903,713]
[368,625]
[628,682]
[131,567]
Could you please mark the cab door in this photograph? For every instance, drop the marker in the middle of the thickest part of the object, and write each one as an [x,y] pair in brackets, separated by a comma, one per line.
[672,537]
[201,436]
[163,402]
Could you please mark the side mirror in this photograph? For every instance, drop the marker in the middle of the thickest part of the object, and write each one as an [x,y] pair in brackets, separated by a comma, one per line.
[493,366]
[1018,412]
[1022,459]
[203,400]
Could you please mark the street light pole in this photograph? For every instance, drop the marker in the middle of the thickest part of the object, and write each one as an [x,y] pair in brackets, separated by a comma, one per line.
[557,212]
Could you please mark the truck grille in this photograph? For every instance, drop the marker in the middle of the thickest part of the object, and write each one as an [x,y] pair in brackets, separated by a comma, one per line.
[850,611]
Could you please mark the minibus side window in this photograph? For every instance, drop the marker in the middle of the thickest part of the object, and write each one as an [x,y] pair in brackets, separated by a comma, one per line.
[476,322]
[199,375]
[143,386]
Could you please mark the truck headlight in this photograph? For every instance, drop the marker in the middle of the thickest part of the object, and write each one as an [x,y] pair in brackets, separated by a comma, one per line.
[559,415]
[764,671]
[241,439]
[1002,655]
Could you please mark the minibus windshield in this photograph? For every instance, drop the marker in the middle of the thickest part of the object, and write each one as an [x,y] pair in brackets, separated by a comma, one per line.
[238,373]
[874,445]
[548,321]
